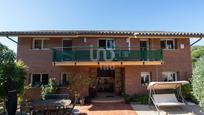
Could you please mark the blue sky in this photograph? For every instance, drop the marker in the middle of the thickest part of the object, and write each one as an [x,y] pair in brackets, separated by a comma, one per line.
[165,15]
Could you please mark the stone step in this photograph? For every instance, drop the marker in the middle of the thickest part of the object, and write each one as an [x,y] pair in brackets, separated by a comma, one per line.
[108,100]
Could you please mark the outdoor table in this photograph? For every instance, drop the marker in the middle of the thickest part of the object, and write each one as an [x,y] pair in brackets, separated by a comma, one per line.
[51,103]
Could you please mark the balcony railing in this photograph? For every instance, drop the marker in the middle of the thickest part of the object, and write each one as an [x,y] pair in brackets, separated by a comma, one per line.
[79,54]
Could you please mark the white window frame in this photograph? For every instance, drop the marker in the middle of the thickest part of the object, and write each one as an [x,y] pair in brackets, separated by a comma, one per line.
[169,72]
[61,81]
[174,45]
[107,43]
[40,77]
[42,44]
[145,74]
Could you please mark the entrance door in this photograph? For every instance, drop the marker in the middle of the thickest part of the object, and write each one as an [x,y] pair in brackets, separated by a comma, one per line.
[67,50]
[108,45]
[67,44]
[105,80]
[144,46]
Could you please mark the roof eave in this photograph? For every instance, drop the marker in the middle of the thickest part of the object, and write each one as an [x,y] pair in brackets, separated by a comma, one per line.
[134,34]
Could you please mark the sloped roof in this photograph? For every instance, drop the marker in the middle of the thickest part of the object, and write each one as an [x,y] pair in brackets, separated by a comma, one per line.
[101,32]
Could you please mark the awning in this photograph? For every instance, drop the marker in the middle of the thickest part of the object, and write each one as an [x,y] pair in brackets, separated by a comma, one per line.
[166,85]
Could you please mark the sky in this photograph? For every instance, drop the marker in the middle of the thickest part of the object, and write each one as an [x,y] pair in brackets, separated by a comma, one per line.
[142,15]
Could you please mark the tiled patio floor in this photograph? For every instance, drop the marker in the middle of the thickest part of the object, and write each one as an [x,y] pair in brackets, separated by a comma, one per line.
[106,109]
[183,110]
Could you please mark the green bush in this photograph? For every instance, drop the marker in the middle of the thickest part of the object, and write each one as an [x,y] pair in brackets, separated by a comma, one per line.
[197,52]
[187,91]
[198,81]
[51,88]
[126,97]
[141,99]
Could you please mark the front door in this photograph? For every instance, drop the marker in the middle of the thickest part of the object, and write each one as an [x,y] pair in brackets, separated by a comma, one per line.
[144,46]
[105,80]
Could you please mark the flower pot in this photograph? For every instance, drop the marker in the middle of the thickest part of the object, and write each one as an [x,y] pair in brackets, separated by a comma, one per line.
[82,101]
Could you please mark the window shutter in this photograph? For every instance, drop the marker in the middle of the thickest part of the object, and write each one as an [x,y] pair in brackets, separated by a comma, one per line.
[150,77]
[176,44]
[45,79]
[163,44]
[60,79]
[29,78]
[178,76]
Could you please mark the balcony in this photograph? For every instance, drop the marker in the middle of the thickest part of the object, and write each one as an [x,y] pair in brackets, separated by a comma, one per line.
[88,56]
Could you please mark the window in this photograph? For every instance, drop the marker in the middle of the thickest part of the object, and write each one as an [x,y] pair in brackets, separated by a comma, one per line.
[144,44]
[102,43]
[145,78]
[169,76]
[37,44]
[106,43]
[167,44]
[67,44]
[39,79]
[110,44]
[36,80]
[64,79]
[40,44]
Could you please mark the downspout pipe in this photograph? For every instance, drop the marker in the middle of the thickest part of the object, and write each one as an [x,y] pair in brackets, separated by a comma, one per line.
[196,41]
[11,39]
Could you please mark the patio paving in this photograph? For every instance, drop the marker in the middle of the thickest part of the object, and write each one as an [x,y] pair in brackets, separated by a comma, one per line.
[190,109]
[106,109]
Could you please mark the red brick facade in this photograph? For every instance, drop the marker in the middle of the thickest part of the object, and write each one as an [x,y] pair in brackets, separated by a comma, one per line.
[40,61]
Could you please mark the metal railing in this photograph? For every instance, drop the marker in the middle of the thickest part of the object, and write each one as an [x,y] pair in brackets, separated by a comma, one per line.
[80,53]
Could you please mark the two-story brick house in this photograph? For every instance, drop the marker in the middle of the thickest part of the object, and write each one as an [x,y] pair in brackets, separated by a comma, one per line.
[122,60]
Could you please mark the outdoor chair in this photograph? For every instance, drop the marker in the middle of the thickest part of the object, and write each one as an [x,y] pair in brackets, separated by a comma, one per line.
[53,110]
[69,110]
[61,110]
[58,109]
[166,100]
[45,110]
[25,108]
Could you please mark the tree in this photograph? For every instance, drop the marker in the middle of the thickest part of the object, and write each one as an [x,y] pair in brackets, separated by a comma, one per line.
[197,52]
[11,70]
[78,82]
[7,59]
[198,81]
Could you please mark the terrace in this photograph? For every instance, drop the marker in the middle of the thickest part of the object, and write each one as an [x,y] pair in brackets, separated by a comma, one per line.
[81,55]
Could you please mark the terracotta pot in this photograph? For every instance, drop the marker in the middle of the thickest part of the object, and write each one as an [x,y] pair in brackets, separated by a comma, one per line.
[82,101]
